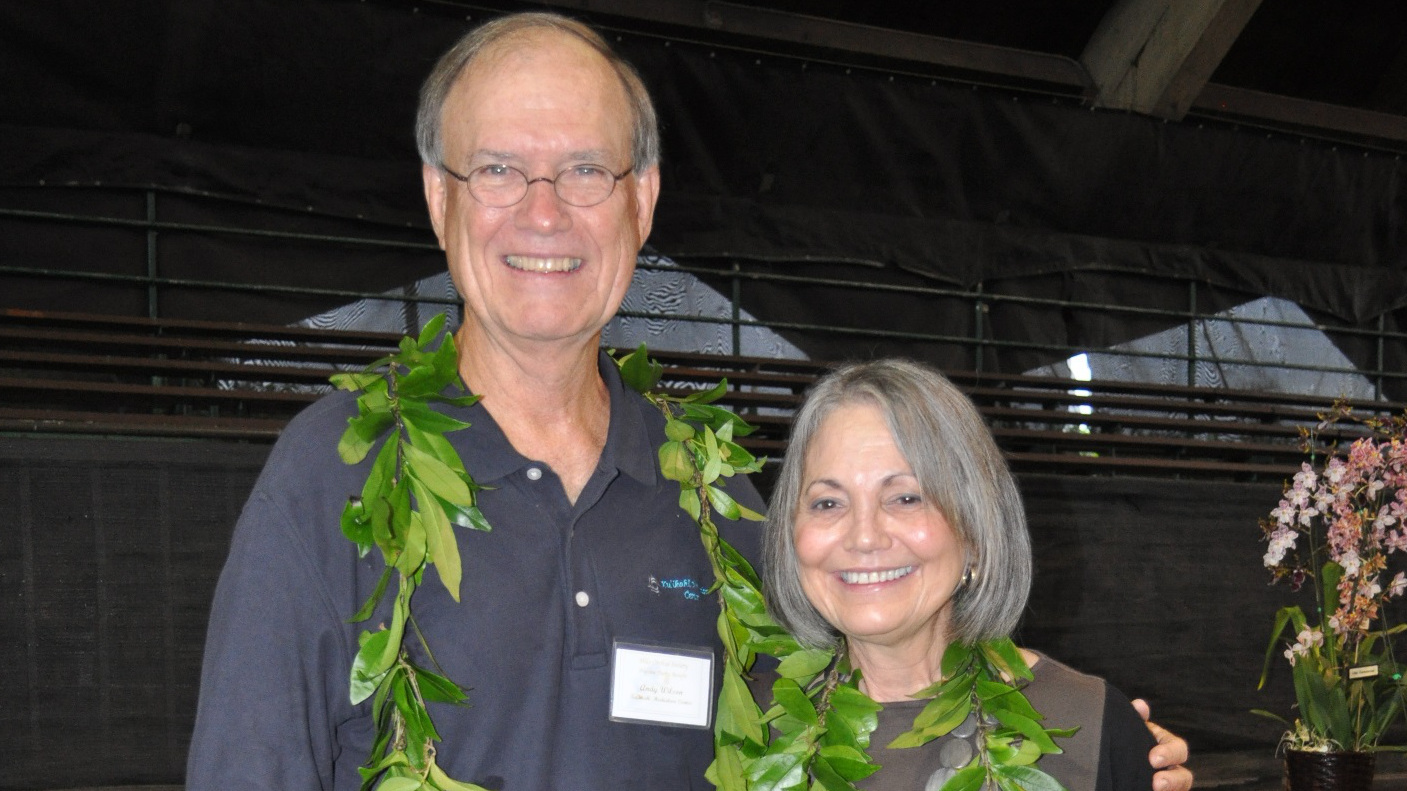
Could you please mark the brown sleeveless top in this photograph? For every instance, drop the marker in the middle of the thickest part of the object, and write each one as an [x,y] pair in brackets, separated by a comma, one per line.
[1066,698]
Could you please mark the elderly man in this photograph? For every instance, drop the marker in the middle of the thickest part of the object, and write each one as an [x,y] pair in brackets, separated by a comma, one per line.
[540,168]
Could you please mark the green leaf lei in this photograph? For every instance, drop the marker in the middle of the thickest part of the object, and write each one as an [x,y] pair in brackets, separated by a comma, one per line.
[416,489]
[817,730]
[815,734]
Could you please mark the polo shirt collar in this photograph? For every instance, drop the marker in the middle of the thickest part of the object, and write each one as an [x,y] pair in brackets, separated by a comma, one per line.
[490,456]
[628,445]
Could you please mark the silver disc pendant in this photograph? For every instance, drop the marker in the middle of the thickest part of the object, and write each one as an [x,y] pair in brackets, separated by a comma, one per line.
[967,727]
[938,778]
[956,753]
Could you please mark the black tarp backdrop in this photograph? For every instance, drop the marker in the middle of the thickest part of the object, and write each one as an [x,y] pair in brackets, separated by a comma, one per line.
[115,546]
[298,114]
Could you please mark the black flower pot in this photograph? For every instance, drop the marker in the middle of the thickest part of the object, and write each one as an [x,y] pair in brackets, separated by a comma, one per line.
[1341,771]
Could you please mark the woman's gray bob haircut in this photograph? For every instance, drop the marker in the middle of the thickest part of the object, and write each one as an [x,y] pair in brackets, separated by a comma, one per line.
[958,468]
[645,142]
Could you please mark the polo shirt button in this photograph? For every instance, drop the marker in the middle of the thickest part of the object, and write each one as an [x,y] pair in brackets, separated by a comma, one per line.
[534,474]
[582,598]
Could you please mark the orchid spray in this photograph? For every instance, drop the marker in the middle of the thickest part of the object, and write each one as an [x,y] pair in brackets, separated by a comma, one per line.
[1343,523]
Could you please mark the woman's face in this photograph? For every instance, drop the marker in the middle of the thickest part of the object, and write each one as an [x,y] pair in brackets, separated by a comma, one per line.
[876,560]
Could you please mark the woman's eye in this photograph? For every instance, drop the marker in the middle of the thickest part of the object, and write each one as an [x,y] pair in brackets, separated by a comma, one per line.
[824,504]
[908,499]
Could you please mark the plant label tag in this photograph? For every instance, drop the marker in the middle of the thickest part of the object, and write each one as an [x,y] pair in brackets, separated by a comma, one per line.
[1366,671]
[661,685]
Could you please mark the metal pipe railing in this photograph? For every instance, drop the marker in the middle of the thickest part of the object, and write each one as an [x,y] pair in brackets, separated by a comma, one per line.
[980,342]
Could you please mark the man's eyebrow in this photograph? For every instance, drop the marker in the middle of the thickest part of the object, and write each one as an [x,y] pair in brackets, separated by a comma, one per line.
[491,155]
[592,155]
[589,155]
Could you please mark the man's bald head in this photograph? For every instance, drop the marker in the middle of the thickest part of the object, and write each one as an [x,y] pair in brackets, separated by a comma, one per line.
[522,29]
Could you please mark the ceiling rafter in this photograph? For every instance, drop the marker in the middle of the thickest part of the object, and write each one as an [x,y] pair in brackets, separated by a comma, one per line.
[1156,56]
[1302,116]
[716,16]
[1149,56]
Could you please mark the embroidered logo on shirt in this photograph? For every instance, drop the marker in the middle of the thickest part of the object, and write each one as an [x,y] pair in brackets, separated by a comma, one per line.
[685,586]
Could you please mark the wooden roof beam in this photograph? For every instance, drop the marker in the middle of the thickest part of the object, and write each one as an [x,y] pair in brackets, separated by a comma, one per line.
[1156,56]
[1021,67]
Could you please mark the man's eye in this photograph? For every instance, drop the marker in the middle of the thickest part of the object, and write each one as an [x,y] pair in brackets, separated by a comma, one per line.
[495,171]
[589,172]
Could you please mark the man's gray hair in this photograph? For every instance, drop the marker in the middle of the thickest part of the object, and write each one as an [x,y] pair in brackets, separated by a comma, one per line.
[959,469]
[645,136]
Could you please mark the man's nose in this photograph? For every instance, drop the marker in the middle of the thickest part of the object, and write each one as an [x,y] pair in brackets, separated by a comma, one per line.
[541,209]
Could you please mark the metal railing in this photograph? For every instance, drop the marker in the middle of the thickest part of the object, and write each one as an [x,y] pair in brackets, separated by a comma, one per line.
[979,344]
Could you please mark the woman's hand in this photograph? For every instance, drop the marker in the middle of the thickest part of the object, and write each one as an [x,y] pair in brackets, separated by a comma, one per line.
[1167,757]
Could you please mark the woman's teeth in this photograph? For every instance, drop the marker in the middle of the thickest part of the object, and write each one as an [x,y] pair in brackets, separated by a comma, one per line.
[871,577]
[530,264]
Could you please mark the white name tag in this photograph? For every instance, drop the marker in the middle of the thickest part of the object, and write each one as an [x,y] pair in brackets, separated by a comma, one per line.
[662,685]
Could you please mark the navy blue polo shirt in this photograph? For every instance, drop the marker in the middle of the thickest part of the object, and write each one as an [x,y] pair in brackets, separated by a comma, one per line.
[544,596]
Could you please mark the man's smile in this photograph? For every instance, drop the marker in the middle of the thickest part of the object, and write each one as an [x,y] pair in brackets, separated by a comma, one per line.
[527,263]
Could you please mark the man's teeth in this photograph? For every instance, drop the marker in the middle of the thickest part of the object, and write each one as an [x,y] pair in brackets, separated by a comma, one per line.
[530,264]
[871,577]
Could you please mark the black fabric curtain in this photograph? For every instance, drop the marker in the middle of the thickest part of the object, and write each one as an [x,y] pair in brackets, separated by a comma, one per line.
[307,107]
[297,115]
[116,546]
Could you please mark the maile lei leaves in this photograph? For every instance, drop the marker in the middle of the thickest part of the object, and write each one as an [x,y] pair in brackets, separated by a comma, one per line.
[982,680]
[815,734]
[819,716]
[416,490]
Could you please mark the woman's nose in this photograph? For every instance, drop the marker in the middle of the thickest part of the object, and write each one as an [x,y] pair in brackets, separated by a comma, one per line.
[866,530]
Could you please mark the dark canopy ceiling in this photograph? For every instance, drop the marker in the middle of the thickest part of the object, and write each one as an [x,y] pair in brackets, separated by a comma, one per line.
[1338,69]
[1254,142]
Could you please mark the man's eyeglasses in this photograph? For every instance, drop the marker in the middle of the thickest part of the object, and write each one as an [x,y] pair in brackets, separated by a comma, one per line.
[501,186]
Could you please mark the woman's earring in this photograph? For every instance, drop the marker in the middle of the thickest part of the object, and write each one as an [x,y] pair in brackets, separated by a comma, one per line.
[968,575]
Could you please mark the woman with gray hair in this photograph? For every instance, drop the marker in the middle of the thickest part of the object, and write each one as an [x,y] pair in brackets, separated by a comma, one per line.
[895,529]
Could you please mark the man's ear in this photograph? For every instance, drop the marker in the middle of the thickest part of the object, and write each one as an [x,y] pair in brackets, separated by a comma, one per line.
[647,191]
[435,189]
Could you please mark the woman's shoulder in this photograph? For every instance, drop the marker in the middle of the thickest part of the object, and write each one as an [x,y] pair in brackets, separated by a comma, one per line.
[1111,747]
[1060,685]
[1055,679]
